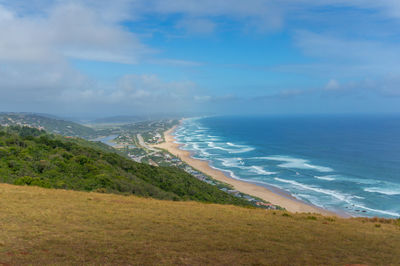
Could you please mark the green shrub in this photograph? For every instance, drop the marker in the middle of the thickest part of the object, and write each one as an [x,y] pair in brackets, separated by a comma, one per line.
[32,181]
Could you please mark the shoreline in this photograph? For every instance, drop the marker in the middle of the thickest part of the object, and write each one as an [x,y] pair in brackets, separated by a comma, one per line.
[273,195]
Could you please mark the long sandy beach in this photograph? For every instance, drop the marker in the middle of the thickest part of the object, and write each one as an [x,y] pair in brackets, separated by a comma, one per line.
[286,201]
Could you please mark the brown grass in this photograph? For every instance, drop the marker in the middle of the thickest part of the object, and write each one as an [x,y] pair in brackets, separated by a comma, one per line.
[44,226]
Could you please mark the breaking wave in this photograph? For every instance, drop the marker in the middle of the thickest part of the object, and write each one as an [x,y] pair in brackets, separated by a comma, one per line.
[337,195]
[289,162]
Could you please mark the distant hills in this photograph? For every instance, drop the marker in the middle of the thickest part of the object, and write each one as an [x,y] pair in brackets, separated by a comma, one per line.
[56,125]
[129,119]
[46,122]
[122,119]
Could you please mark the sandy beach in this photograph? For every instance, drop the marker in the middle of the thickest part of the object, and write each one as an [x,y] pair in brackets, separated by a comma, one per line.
[286,201]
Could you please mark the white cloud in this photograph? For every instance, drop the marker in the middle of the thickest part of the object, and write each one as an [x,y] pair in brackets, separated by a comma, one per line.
[135,89]
[346,57]
[70,30]
[388,86]
[200,16]
[38,38]
[390,8]
[35,50]
[329,46]
[5,15]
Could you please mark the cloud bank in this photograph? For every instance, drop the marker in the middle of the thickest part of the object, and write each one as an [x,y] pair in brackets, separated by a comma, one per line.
[349,46]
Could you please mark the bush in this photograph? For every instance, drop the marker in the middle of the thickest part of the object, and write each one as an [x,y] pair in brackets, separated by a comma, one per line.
[32,181]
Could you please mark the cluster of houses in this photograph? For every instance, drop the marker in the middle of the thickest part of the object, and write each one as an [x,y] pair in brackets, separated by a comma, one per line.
[18,123]
[255,201]
[123,141]
[265,205]
[156,139]
[135,158]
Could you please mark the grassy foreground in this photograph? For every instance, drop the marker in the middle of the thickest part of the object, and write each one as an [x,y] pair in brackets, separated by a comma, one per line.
[47,226]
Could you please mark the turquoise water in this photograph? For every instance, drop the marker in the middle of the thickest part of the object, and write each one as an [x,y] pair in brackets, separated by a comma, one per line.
[107,140]
[340,163]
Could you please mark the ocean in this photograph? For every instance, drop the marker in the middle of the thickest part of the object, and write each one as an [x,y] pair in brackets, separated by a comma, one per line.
[343,163]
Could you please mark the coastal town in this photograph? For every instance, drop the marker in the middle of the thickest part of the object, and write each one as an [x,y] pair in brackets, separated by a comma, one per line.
[139,142]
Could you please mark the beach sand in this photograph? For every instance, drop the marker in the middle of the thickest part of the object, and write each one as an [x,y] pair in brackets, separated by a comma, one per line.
[286,201]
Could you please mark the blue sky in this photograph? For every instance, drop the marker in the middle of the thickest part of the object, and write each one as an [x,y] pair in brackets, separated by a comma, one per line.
[184,56]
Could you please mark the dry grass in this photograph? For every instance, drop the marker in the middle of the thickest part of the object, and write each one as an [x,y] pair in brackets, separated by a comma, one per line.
[44,226]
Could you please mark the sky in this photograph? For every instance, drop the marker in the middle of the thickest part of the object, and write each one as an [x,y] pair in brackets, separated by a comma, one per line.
[129,57]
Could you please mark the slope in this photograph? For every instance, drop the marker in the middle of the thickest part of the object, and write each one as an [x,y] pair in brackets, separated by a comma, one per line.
[46,226]
[48,123]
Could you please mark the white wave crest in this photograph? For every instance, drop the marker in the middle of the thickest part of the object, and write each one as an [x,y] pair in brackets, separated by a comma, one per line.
[238,163]
[233,162]
[383,190]
[243,150]
[290,162]
[229,150]
[234,145]
[332,193]
[337,195]
[327,178]
[231,173]
[259,170]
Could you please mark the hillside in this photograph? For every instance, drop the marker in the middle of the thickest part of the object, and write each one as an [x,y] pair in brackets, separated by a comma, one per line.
[47,226]
[31,157]
[50,124]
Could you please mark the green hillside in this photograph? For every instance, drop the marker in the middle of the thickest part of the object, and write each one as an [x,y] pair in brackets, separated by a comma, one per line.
[48,123]
[31,157]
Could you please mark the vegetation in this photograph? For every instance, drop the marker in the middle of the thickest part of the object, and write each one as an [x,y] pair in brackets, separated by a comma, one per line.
[31,157]
[50,124]
[45,226]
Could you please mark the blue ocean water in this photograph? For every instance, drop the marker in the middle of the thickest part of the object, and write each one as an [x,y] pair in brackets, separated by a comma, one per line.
[340,163]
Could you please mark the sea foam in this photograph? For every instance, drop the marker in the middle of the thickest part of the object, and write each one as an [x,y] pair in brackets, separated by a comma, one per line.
[222,146]
[233,162]
[332,193]
[238,163]
[339,196]
[296,163]
[327,178]
[383,190]
[259,170]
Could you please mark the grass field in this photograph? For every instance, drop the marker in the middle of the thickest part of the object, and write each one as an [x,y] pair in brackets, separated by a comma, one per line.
[46,226]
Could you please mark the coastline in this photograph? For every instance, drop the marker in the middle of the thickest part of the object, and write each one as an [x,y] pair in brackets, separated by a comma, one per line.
[282,199]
